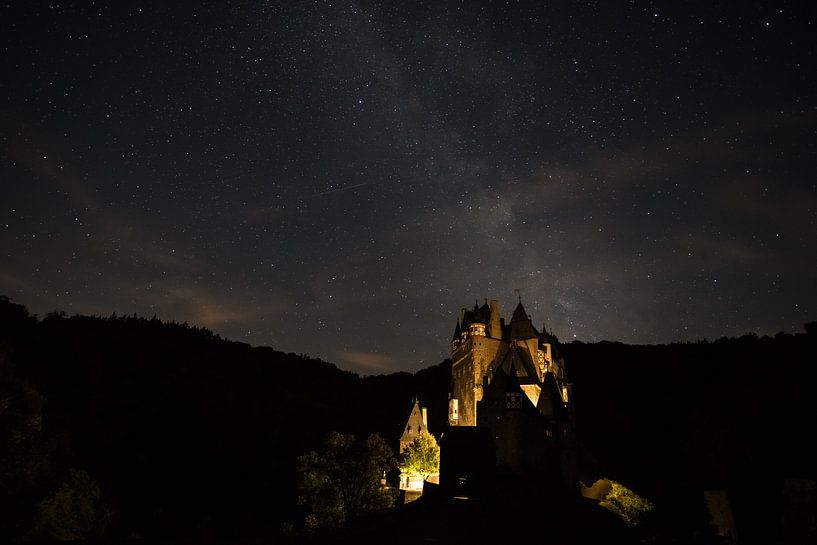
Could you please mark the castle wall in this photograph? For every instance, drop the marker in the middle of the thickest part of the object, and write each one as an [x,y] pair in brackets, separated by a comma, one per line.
[471,362]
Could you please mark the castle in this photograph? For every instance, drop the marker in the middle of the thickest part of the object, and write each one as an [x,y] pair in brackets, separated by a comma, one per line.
[509,380]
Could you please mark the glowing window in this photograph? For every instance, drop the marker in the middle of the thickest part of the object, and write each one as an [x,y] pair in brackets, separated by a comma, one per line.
[513,400]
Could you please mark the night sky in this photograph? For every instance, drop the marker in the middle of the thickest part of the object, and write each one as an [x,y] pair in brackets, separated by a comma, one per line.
[340,178]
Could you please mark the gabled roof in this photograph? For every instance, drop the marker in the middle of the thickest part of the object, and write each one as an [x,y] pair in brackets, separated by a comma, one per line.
[520,362]
[518,365]
[414,425]
[457,332]
[506,380]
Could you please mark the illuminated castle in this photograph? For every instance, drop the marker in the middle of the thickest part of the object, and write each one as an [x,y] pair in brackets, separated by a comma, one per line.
[482,343]
[509,379]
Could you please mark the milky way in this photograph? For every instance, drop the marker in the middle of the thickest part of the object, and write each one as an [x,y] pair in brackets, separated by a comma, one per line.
[339,179]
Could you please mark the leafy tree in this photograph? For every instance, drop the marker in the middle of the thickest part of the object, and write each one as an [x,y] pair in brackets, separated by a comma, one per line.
[72,512]
[626,504]
[344,480]
[421,456]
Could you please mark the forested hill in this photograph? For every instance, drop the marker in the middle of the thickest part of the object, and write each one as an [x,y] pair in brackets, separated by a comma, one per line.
[731,414]
[183,431]
[710,414]
[189,435]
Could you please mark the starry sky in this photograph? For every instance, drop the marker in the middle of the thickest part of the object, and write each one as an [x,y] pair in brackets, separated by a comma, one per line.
[340,178]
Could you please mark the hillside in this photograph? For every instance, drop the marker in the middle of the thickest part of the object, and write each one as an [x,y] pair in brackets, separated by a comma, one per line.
[181,429]
[188,434]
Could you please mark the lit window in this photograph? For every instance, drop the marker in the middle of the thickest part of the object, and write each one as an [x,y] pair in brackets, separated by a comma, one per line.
[513,400]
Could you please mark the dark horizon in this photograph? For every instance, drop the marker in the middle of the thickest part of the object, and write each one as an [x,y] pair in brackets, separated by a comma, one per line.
[363,372]
[339,180]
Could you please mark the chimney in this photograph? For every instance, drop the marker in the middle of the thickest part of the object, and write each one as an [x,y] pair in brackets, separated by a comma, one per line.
[425,418]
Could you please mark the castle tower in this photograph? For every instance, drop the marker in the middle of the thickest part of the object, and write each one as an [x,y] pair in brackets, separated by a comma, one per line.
[472,356]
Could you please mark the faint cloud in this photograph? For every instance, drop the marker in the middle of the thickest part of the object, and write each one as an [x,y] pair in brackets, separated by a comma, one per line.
[13,283]
[134,243]
[369,361]
[203,308]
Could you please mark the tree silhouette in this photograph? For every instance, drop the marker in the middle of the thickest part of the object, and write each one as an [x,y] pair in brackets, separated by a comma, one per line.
[344,479]
[73,512]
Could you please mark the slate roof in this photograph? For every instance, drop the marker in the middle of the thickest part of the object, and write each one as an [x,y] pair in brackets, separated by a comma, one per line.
[519,361]
[521,326]
[550,402]
[414,425]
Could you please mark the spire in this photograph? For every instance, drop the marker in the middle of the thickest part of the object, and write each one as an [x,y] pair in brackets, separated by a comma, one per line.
[545,335]
[457,331]
[521,326]
[519,313]
[485,310]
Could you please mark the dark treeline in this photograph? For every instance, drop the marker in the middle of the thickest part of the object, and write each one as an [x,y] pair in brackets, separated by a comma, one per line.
[733,414]
[190,435]
[186,434]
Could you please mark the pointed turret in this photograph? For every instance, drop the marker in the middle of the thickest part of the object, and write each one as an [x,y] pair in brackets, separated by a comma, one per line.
[519,313]
[521,326]
[478,324]
[550,403]
[477,317]
[485,310]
